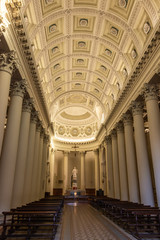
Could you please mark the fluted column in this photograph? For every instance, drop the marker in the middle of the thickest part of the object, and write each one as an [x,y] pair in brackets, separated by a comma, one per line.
[10,145]
[52,172]
[35,162]
[82,170]
[122,162]
[40,164]
[21,154]
[7,65]
[65,185]
[131,159]
[115,164]
[144,173]
[109,168]
[150,94]
[30,154]
[96,155]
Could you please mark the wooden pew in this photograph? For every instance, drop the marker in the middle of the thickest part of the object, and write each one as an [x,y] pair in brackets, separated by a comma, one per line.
[140,220]
[38,219]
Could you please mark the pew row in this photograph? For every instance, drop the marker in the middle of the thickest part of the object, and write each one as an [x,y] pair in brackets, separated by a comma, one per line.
[35,220]
[140,220]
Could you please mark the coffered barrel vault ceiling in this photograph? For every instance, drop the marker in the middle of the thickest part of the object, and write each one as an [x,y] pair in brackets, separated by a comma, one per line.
[85,51]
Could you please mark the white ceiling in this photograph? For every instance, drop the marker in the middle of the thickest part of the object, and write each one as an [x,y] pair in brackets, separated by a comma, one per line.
[85,51]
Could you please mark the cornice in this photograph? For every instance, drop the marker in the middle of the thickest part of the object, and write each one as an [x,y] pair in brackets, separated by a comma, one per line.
[27,61]
[141,74]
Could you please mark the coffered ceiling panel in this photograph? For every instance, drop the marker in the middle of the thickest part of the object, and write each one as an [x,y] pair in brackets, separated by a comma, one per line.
[85,51]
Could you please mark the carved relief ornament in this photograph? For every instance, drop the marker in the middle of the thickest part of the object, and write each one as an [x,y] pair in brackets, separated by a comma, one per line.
[150,92]
[137,108]
[18,88]
[127,119]
[27,104]
[8,62]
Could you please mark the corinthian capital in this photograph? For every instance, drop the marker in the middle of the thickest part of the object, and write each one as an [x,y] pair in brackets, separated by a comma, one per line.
[108,139]
[8,62]
[114,133]
[27,104]
[150,91]
[34,116]
[120,126]
[127,119]
[18,88]
[137,108]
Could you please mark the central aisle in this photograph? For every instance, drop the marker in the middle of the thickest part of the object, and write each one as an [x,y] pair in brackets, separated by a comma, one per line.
[82,222]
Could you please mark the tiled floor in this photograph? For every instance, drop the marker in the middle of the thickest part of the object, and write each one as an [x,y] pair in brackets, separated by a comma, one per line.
[82,222]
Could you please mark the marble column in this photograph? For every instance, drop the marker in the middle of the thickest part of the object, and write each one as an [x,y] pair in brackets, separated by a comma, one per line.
[96,155]
[151,99]
[115,164]
[52,172]
[7,65]
[40,158]
[104,169]
[22,154]
[122,162]
[100,167]
[133,184]
[109,168]
[44,165]
[30,159]
[10,145]
[82,170]
[65,185]
[146,193]
[35,162]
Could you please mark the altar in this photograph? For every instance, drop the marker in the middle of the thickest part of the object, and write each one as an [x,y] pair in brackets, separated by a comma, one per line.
[77,192]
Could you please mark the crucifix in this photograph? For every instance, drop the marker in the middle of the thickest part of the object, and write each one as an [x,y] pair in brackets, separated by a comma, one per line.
[75,148]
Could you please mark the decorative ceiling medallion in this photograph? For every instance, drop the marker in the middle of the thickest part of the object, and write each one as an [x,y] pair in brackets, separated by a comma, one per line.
[88,131]
[108,52]
[55,50]
[96,90]
[81,44]
[74,132]
[52,28]
[146,27]
[134,54]
[123,3]
[83,22]
[118,85]
[49,1]
[125,72]
[57,66]
[58,89]
[80,61]
[57,79]
[114,31]
[78,84]
[61,130]
[78,74]
[103,68]
[99,80]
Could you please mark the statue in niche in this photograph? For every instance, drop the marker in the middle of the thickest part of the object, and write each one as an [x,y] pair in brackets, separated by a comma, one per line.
[74,178]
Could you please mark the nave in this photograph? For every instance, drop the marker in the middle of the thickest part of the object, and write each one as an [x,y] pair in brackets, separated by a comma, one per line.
[83,222]
[81,218]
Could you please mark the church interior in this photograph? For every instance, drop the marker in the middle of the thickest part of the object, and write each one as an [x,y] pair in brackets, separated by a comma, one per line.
[80,119]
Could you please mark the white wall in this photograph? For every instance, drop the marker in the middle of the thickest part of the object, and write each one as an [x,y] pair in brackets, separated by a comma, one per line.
[58,169]
[90,170]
